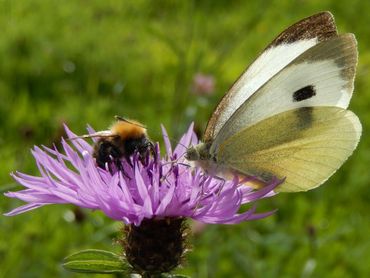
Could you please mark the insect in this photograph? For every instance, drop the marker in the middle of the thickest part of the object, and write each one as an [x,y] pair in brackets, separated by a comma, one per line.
[124,138]
[286,114]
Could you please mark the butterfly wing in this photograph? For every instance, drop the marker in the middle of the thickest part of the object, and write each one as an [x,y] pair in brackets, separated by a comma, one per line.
[285,48]
[305,145]
[321,76]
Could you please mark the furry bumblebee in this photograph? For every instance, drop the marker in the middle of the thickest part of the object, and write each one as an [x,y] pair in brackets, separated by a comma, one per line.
[122,140]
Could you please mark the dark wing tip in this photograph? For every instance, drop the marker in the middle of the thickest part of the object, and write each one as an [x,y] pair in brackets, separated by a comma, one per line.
[320,25]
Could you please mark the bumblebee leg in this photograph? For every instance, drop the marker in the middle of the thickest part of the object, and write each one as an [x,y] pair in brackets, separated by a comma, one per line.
[118,164]
[151,148]
[147,149]
[128,160]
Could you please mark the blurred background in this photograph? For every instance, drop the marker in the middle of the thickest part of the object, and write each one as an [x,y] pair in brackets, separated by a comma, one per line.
[170,62]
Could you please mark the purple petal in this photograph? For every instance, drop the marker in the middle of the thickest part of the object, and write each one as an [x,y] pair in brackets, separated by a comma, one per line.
[166,141]
[184,141]
[23,209]
[255,195]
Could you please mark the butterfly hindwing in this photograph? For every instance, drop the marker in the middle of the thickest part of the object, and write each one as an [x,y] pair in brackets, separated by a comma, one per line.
[305,146]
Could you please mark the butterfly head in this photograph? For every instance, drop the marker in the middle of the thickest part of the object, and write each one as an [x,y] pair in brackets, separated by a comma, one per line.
[198,152]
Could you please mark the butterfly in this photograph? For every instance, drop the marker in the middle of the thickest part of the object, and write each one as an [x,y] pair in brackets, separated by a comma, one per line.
[286,116]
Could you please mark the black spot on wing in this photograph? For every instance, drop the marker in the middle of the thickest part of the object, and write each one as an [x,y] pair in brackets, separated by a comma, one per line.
[304,93]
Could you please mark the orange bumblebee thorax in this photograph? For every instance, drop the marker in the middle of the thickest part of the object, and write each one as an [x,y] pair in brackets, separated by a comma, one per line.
[126,130]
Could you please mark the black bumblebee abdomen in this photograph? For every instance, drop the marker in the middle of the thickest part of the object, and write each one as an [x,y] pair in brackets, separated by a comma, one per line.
[112,150]
[105,152]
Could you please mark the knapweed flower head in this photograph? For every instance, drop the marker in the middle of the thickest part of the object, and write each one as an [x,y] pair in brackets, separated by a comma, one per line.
[162,187]
[152,196]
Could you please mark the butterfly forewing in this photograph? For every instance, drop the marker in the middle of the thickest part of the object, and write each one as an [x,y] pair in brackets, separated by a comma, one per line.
[285,48]
[305,146]
[321,76]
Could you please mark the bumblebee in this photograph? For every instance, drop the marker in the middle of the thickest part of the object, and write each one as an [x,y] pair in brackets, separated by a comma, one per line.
[124,138]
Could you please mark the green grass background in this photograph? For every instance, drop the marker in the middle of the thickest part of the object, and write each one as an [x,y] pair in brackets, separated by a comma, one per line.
[82,62]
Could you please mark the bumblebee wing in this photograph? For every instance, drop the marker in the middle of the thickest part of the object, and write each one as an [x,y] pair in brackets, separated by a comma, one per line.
[101,134]
[291,43]
[305,145]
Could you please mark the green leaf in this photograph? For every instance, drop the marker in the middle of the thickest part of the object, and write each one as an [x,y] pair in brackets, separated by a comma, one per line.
[95,261]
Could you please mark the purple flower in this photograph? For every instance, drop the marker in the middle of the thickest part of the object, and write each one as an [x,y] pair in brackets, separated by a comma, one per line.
[161,188]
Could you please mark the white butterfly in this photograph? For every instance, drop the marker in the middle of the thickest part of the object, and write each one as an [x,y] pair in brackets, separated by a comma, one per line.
[286,115]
